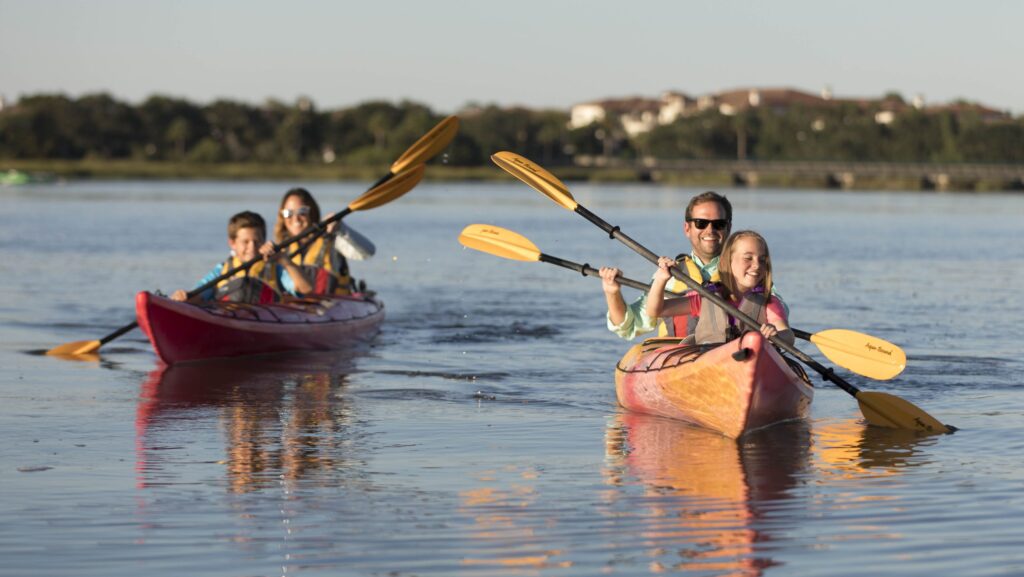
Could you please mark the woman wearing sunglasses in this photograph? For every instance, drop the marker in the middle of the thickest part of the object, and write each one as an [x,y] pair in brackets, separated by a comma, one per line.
[326,269]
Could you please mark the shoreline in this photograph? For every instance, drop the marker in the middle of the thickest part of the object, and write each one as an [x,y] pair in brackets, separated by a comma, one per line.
[38,171]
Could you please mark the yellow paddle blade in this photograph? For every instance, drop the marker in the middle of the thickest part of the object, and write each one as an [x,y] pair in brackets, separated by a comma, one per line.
[390,190]
[499,242]
[80,358]
[863,354]
[428,145]
[541,180]
[75,348]
[885,410]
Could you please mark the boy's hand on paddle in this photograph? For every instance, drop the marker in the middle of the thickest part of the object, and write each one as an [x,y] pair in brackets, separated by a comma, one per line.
[269,252]
[179,295]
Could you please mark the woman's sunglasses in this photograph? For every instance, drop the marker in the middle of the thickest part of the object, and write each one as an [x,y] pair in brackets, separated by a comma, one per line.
[301,211]
[702,223]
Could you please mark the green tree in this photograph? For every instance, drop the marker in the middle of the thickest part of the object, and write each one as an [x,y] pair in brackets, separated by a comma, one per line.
[108,128]
[239,128]
[208,150]
[915,137]
[158,114]
[995,142]
[179,132]
[43,126]
[708,135]
[362,133]
[552,135]
[298,135]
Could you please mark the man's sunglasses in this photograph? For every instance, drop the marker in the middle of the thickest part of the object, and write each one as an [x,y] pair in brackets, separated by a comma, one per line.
[702,223]
[301,211]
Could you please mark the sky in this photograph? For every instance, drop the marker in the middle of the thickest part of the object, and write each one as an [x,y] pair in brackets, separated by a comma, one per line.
[540,54]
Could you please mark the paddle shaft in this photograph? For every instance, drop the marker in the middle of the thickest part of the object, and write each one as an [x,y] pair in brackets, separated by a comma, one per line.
[118,332]
[321,226]
[318,229]
[421,151]
[383,179]
[303,245]
[615,233]
[587,270]
[801,334]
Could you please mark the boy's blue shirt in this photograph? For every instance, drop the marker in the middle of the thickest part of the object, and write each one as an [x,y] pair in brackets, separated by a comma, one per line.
[284,280]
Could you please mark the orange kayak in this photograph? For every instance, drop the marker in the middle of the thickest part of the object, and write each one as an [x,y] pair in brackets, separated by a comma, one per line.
[188,331]
[733,388]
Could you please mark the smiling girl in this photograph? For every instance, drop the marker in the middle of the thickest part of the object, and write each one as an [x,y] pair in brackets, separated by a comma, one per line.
[745,268]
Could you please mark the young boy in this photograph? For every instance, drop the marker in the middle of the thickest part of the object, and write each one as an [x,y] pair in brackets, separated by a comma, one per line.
[263,282]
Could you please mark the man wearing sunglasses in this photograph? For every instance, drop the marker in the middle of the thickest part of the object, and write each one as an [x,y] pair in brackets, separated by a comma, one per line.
[707,225]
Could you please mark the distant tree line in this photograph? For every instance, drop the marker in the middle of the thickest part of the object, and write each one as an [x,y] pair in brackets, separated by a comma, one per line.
[844,132]
[162,128]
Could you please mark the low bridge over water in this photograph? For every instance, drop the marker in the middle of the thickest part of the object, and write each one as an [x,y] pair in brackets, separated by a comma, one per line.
[933,176]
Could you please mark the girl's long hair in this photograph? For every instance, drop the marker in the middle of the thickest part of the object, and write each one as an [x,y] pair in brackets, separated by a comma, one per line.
[729,287]
[280,232]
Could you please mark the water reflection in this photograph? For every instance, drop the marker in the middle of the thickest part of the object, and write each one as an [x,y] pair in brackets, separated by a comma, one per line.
[850,449]
[281,420]
[714,505]
[703,492]
[509,517]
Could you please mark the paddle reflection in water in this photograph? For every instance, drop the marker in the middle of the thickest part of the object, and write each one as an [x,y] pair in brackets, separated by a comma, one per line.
[704,491]
[506,523]
[853,450]
[283,419]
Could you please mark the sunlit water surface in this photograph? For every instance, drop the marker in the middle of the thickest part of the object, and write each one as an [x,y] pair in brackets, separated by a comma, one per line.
[478,433]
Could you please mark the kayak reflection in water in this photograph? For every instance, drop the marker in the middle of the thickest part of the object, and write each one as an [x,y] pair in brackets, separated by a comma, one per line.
[704,492]
[281,420]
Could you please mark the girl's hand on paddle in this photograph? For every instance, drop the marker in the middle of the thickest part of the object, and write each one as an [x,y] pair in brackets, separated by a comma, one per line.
[769,330]
[664,264]
[179,295]
[609,281]
[333,226]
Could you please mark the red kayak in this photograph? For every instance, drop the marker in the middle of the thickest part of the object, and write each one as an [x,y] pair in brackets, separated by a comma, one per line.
[193,331]
[733,388]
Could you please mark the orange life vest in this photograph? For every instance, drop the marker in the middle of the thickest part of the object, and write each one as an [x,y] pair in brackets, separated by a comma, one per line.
[256,285]
[323,266]
[683,325]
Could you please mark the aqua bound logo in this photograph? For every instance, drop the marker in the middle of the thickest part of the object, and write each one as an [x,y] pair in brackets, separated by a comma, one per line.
[874,348]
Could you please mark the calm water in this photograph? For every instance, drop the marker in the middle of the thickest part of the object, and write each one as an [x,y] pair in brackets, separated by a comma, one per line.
[478,434]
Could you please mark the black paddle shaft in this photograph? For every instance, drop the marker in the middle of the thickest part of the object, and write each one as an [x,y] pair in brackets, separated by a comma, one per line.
[316,229]
[383,179]
[615,233]
[118,332]
[587,270]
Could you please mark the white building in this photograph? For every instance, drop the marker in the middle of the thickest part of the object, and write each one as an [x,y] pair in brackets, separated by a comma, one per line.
[635,115]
